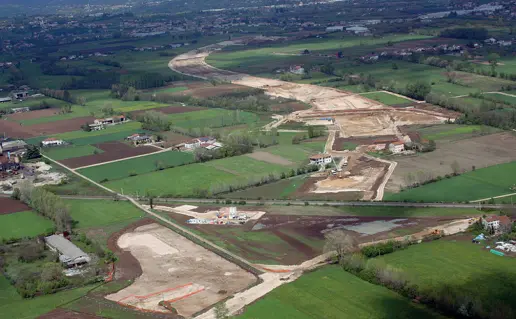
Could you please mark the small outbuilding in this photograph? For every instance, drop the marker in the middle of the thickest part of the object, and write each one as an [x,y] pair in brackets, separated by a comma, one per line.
[51,141]
[320,159]
[69,254]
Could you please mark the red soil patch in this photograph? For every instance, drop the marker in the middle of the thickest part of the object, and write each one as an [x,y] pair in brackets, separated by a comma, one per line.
[61,126]
[33,114]
[339,142]
[16,130]
[67,314]
[127,267]
[112,151]
[9,206]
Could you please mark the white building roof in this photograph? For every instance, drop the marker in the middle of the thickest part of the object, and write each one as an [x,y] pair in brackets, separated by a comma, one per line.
[67,250]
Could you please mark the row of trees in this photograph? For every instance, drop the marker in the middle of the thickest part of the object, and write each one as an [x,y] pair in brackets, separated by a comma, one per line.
[154,121]
[46,204]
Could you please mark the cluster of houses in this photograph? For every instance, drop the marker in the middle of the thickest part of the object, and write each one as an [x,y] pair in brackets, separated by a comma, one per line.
[207,142]
[162,47]
[75,57]
[100,124]
[140,139]
[11,152]
[501,43]
[441,49]
[357,30]
[394,146]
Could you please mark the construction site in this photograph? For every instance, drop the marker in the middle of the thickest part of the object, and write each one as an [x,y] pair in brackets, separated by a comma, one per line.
[345,114]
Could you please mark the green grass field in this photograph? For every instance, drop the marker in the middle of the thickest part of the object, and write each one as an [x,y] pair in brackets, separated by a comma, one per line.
[70,136]
[33,308]
[96,213]
[137,166]
[445,132]
[23,224]
[33,102]
[482,183]
[189,178]
[332,293]
[171,89]
[8,293]
[460,265]
[212,118]
[61,153]
[511,100]
[386,98]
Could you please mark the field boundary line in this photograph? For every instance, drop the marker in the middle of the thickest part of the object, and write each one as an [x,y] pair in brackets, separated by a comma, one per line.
[494,197]
[124,159]
[186,296]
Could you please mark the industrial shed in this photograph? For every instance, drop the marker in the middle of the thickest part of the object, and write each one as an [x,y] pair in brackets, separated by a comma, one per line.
[69,254]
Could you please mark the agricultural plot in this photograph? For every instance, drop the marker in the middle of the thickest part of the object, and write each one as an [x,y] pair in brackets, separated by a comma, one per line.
[467,154]
[62,153]
[478,184]
[330,293]
[33,308]
[9,206]
[100,213]
[137,166]
[23,224]
[288,235]
[212,118]
[459,265]
[454,131]
[386,98]
[499,97]
[264,60]
[191,179]
[33,102]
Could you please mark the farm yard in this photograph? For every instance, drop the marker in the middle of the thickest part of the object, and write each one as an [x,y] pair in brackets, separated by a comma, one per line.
[322,293]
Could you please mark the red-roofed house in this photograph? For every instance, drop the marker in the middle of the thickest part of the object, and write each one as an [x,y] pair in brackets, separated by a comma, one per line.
[397,147]
[497,223]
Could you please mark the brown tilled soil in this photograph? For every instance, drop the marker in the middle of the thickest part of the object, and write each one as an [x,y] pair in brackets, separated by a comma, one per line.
[61,126]
[112,151]
[300,237]
[9,206]
[15,130]
[67,314]
[33,114]
[338,145]
[127,267]
[305,192]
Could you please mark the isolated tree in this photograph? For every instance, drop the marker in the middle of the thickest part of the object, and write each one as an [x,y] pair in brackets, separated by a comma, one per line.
[221,311]
[493,59]
[328,69]
[32,152]
[340,242]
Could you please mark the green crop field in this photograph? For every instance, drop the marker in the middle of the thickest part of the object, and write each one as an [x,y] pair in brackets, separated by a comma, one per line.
[23,224]
[333,293]
[137,166]
[511,100]
[191,178]
[171,89]
[212,118]
[481,183]
[297,153]
[95,213]
[277,190]
[269,55]
[386,98]
[33,308]
[8,293]
[33,102]
[443,132]
[461,266]
[110,129]
[61,153]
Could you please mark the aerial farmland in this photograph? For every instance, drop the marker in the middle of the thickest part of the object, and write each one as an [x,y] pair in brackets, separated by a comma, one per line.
[325,160]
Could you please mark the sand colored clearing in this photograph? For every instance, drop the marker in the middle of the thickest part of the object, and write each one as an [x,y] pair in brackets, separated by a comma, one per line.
[177,270]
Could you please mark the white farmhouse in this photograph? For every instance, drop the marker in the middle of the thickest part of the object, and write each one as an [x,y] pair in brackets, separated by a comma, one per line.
[397,147]
[69,254]
[52,142]
[320,159]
